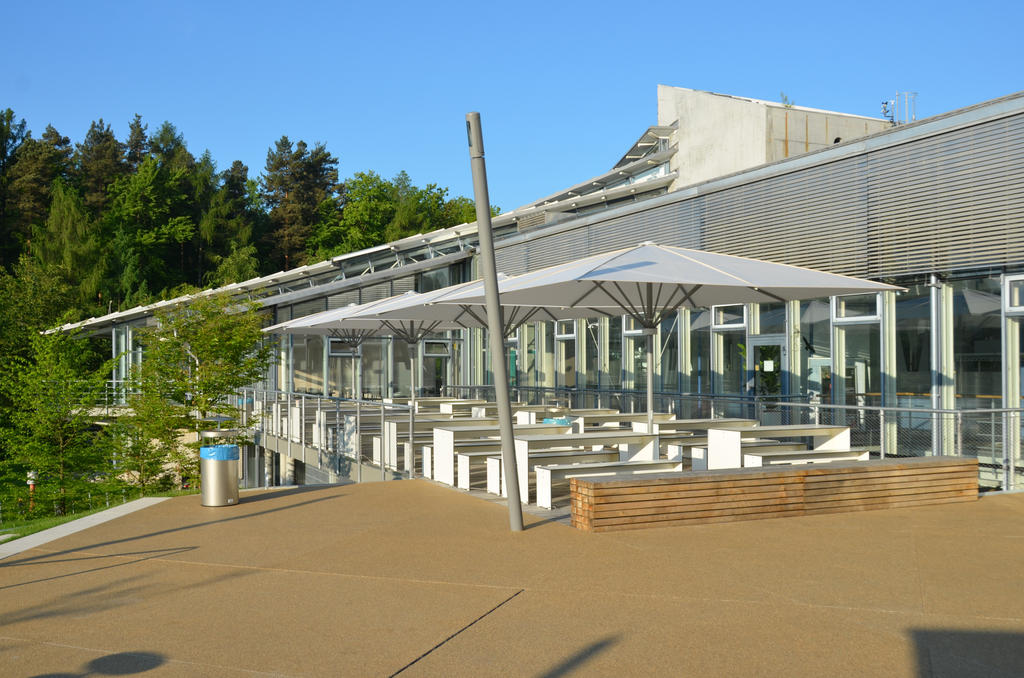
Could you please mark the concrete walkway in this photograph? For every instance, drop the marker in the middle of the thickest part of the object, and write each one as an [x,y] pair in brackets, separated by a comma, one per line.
[73,526]
[407,578]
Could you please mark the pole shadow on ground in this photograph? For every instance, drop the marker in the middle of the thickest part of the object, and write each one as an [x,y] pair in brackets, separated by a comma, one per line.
[120,664]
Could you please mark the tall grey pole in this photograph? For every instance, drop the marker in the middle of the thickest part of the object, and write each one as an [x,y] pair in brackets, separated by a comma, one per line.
[495,333]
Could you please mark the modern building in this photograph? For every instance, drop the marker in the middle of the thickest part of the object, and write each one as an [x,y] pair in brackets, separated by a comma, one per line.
[935,206]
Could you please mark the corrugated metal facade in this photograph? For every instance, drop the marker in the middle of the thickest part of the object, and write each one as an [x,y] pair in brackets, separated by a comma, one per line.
[946,202]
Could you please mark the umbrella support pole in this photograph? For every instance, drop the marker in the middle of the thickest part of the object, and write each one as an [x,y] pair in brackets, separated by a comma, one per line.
[649,333]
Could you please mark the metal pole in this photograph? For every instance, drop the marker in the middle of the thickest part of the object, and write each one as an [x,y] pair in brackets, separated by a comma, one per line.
[959,433]
[649,333]
[881,428]
[383,465]
[413,355]
[495,333]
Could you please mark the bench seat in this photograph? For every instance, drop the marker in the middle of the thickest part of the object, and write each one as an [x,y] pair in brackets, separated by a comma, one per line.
[548,475]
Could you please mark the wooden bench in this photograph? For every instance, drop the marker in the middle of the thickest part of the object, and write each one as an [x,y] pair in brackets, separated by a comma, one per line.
[692,498]
[769,456]
[549,474]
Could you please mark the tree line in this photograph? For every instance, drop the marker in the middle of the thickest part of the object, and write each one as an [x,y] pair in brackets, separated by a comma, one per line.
[123,222]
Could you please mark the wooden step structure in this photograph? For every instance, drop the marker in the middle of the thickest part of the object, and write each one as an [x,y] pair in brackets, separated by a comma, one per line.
[700,497]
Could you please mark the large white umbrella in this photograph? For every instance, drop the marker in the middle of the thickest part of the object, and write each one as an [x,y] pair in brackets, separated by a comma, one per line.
[356,323]
[650,282]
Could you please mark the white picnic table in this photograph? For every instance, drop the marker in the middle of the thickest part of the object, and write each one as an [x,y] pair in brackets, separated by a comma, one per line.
[725,449]
[631,446]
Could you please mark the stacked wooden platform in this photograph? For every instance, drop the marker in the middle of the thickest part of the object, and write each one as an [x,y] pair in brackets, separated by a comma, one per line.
[604,504]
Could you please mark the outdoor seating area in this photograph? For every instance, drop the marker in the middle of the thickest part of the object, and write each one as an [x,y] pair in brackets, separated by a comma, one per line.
[457,443]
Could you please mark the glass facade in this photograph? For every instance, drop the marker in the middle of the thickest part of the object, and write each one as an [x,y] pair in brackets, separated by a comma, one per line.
[913,346]
[977,341]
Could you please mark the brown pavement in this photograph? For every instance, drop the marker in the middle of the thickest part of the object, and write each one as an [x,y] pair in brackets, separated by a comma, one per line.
[411,577]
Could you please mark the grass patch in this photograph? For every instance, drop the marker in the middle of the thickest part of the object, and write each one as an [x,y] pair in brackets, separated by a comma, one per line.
[22,528]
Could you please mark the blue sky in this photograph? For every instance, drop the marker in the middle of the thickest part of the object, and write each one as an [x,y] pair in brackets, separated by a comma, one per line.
[563,88]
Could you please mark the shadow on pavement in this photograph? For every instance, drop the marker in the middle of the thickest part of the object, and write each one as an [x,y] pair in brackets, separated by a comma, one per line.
[106,597]
[576,661]
[31,560]
[949,653]
[120,664]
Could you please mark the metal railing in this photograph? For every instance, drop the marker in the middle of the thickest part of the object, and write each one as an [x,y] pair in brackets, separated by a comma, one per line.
[336,435]
[993,435]
[334,438]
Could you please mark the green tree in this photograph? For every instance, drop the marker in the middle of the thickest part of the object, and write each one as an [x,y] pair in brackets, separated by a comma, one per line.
[38,164]
[12,134]
[228,229]
[69,245]
[51,431]
[137,145]
[195,358]
[377,210]
[146,224]
[99,162]
[300,189]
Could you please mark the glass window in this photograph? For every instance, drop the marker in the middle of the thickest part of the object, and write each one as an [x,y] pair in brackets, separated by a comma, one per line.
[669,353]
[400,380]
[592,353]
[566,359]
[375,372]
[308,357]
[1015,294]
[815,348]
[857,306]
[546,358]
[700,351]
[428,281]
[630,326]
[613,373]
[977,341]
[862,383]
[913,344]
[729,315]
[733,360]
[342,375]
[528,355]
[771,318]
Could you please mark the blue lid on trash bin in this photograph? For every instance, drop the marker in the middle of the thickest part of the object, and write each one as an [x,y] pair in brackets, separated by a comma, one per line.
[219,452]
[561,421]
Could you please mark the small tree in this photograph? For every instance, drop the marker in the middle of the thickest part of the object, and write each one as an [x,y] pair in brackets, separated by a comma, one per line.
[195,359]
[51,431]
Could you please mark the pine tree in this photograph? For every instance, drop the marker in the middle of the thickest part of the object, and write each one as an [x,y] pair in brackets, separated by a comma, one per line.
[38,164]
[99,162]
[300,188]
[12,134]
[137,146]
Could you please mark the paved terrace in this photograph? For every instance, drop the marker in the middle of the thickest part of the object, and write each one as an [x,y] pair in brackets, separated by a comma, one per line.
[415,579]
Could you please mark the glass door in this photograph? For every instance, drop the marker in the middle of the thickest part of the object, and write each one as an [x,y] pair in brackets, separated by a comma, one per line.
[767,368]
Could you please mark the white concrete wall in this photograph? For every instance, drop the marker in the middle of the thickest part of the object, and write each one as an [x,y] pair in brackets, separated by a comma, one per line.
[717,134]
[792,131]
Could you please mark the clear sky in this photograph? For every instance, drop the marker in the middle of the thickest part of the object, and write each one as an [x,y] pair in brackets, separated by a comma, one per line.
[563,88]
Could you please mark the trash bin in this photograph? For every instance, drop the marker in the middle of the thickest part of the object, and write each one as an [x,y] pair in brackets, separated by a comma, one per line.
[218,466]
